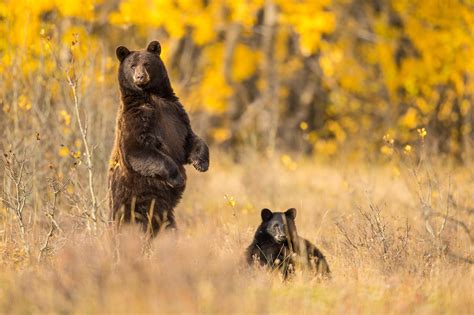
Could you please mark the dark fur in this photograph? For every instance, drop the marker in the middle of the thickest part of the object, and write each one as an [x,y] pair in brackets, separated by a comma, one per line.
[153,142]
[277,245]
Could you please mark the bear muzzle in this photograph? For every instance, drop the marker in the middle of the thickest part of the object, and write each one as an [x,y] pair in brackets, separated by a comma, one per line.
[279,234]
[141,77]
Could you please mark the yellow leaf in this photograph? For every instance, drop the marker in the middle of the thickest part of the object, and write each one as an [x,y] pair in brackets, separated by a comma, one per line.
[410,119]
[386,150]
[303,125]
[64,152]
[407,149]
[422,133]
[65,117]
[221,134]
[288,162]
[245,62]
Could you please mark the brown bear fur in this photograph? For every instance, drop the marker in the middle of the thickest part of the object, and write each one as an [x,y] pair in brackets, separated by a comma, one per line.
[276,244]
[153,142]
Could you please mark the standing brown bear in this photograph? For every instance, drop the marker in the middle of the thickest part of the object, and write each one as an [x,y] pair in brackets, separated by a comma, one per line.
[153,142]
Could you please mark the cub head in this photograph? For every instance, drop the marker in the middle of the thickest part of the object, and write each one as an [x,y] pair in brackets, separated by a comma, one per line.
[279,225]
[142,70]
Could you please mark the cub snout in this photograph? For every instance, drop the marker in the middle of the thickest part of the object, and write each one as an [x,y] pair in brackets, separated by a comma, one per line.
[279,233]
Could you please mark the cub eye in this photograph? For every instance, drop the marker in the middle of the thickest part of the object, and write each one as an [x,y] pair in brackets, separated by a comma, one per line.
[133,66]
[145,64]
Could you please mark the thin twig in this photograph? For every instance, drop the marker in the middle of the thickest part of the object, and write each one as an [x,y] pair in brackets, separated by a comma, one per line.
[73,82]
[53,223]
[17,204]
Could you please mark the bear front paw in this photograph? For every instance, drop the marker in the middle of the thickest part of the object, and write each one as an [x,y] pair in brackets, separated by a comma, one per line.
[175,180]
[201,165]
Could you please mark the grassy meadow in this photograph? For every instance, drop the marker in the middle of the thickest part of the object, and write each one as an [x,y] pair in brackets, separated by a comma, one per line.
[368,220]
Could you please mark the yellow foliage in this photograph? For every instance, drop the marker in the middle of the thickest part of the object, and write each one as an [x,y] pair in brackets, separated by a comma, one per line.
[288,162]
[230,200]
[244,63]
[310,19]
[77,155]
[326,147]
[78,143]
[423,105]
[64,151]
[83,8]
[386,150]
[422,132]
[23,103]
[303,125]
[244,12]
[410,119]
[336,129]
[407,149]
[220,134]
[387,138]
[214,90]
[65,117]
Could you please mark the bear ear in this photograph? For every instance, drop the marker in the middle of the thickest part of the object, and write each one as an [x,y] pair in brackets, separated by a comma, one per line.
[154,47]
[291,213]
[266,214]
[122,52]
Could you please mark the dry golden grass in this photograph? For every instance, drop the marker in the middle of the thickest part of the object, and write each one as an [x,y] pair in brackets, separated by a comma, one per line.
[367,219]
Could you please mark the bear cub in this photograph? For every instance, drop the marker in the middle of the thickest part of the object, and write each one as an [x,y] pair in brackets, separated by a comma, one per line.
[153,142]
[276,244]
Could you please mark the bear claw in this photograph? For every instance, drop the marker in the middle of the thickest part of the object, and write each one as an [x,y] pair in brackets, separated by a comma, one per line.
[175,181]
[201,165]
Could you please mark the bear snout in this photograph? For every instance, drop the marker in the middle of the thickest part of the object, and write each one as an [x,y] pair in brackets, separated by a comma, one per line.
[279,234]
[141,77]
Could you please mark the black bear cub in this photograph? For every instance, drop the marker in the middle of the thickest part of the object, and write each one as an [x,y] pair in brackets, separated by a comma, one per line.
[277,245]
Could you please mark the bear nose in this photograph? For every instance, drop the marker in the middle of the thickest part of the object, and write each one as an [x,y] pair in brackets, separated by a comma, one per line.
[279,231]
[140,76]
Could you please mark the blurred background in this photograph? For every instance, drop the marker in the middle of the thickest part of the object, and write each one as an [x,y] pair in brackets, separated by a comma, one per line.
[323,78]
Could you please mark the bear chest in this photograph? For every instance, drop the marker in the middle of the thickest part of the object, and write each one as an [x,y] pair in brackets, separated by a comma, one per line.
[172,132]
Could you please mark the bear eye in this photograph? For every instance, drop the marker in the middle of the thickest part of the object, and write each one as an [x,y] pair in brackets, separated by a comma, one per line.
[145,64]
[133,66]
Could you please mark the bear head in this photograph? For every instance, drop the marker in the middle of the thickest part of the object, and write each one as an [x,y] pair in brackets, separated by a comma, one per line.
[280,226]
[143,71]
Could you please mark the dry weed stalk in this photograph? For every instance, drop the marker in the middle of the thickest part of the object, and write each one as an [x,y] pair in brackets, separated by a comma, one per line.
[15,198]
[73,80]
[50,214]
[423,192]
[374,236]
[429,213]
[149,230]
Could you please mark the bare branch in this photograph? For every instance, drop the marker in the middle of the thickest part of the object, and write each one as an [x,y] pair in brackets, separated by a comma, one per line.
[73,84]
[50,214]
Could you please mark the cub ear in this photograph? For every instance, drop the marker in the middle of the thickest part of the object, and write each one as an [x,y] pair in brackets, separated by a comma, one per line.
[266,214]
[154,47]
[122,52]
[291,213]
